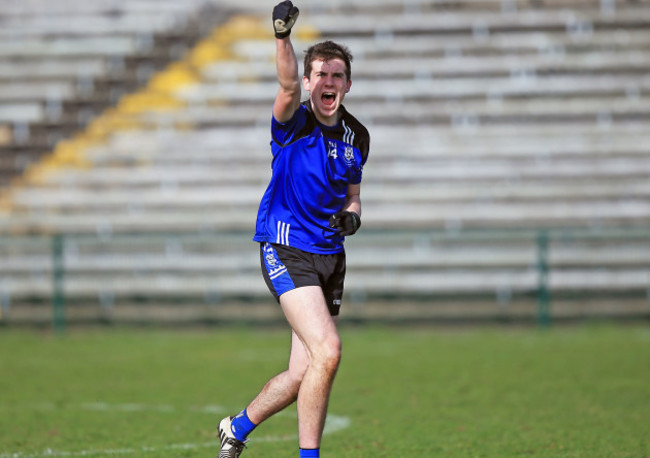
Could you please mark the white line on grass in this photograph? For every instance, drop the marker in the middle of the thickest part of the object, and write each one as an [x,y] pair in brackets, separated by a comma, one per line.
[126,407]
[333,424]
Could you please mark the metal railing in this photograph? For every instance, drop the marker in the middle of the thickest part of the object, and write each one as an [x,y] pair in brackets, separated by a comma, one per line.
[625,250]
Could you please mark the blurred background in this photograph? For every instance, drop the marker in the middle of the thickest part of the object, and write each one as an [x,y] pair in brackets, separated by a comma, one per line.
[508,179]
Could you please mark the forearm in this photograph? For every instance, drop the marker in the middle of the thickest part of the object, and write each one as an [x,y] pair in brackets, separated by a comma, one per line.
[286,65]
[353,204]
[288,96]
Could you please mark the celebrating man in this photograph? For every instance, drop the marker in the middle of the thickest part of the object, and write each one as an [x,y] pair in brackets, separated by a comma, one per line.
[310,205]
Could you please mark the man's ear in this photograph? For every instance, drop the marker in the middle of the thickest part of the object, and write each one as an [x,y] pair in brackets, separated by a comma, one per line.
[305,83]
[348,86]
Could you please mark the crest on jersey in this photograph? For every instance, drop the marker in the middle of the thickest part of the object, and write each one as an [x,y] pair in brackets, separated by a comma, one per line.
[349,156]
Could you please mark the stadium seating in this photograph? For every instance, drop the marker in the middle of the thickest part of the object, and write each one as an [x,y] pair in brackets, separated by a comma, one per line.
[487,117]
[61,64]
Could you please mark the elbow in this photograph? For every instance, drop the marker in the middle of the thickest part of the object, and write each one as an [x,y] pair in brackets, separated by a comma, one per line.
[290,89]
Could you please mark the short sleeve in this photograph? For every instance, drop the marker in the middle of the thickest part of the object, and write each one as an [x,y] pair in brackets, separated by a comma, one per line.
[285,133]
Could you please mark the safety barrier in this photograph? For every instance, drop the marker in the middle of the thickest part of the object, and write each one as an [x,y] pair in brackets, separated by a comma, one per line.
[497,270]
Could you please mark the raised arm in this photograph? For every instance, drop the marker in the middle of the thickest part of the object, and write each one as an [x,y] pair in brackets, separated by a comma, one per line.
[287,99]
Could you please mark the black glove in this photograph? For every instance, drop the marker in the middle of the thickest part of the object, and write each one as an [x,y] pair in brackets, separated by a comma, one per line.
[346,223]
[284,17]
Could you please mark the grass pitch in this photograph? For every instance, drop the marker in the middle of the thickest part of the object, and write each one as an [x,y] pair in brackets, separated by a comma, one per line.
[578,392]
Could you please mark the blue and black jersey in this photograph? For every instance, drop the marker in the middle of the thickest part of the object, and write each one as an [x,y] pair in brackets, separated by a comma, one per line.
[312,166]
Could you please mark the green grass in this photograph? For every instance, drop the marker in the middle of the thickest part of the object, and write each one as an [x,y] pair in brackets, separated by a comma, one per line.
[578,392]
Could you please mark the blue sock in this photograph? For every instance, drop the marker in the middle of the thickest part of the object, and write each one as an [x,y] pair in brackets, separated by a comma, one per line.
[242,426]
[309,453]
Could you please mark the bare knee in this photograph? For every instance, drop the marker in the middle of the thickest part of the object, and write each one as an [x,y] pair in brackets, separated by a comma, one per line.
[324,357]
[328,355]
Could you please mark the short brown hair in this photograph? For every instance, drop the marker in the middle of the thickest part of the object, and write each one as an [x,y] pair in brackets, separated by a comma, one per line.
[327,50]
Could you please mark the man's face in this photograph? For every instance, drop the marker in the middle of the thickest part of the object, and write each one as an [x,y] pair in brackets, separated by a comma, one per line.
[327,86]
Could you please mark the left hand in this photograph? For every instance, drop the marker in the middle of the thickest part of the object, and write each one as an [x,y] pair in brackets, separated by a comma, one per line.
[345,222]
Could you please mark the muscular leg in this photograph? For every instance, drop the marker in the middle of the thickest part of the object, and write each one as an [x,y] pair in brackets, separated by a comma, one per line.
[307,313]
[314,359]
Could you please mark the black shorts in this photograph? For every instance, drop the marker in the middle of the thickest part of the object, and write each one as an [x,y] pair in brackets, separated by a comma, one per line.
[286,268]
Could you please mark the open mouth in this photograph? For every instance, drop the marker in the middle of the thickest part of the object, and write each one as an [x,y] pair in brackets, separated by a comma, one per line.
[328,98]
